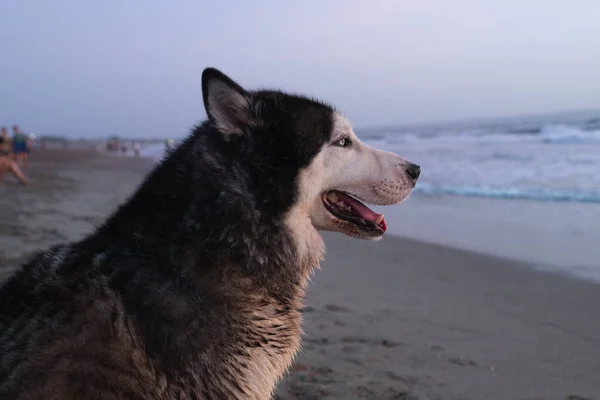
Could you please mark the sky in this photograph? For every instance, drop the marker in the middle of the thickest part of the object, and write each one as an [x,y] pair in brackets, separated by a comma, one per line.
[133,68]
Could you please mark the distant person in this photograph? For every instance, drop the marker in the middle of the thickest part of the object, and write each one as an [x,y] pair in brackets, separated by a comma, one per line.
[20,143]
[169,145]
[5,143]
[9,165]
[136,148]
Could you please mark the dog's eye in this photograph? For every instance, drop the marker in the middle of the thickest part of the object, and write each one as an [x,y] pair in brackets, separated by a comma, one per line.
[345,142]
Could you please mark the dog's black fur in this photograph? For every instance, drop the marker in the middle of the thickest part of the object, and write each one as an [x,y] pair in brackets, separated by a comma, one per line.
[156,302]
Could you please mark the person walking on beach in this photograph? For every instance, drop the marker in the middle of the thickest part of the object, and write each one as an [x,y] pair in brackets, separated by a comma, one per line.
[20,146]
[136,148]
[5,143]
[169,145]
[7,164]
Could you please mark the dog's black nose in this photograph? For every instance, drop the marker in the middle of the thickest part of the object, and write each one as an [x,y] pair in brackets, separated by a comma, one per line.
[413,171]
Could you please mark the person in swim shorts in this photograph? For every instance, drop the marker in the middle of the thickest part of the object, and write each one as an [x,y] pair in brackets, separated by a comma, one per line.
[20,146]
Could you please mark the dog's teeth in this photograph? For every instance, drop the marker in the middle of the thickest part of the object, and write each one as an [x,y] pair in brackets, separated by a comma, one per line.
[379,219]
[344,206]
[332,197]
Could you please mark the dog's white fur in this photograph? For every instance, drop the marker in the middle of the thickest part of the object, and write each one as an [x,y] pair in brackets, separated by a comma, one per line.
[371,175]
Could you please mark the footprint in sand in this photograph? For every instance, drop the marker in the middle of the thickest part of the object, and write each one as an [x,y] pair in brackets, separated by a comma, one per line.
[575,397]
[373,341]
[336,308]
[463,362]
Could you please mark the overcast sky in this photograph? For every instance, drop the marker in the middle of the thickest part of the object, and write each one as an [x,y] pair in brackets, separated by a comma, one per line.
[87,68]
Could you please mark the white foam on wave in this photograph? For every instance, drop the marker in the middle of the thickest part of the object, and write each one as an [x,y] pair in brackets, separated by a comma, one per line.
[508,193]
[568,134]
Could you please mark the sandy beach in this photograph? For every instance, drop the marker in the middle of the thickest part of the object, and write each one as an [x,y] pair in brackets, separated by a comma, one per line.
[395,319]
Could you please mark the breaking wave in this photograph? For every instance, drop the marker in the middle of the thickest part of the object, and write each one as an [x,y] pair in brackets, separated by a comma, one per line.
[548,134]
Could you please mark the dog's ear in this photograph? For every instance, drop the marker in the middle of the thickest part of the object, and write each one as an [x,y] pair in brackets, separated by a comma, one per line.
[227,104]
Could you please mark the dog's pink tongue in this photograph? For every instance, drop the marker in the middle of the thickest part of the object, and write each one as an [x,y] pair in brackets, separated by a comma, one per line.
[364,211]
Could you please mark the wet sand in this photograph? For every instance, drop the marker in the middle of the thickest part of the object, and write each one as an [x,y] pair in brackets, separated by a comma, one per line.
[552,235]
[395,319]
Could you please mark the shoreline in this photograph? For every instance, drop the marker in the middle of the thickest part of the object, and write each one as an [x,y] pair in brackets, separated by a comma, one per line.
[518,227]
[550,236]
[553,236]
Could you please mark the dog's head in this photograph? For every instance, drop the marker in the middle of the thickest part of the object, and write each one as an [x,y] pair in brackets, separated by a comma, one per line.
[305,159]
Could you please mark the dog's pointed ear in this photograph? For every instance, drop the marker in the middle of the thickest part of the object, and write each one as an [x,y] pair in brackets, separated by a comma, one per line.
[227,104]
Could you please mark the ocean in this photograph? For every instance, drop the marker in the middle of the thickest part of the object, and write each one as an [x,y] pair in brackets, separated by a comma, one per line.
[525,188]
[548,158]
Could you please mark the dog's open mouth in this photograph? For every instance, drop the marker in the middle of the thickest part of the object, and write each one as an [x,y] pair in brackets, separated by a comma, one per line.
[347,208]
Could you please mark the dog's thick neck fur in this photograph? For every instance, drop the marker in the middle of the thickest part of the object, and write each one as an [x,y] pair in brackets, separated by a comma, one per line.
[169,212]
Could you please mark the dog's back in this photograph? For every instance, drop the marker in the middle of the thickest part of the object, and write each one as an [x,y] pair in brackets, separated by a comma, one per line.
[63,334]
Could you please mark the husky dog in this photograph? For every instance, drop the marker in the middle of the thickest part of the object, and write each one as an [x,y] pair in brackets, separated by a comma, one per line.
[193,288]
